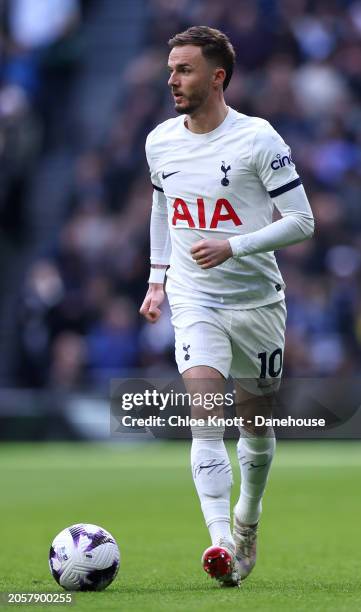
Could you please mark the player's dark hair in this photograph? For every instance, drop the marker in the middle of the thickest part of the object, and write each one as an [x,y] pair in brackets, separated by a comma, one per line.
[215,46]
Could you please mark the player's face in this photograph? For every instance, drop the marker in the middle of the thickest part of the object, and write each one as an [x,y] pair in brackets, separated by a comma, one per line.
[190,78]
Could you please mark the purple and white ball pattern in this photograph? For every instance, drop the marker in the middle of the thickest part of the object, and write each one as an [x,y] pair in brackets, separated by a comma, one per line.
[84,557]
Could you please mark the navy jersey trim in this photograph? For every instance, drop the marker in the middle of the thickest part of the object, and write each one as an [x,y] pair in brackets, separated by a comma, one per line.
[276,192]
[158,188]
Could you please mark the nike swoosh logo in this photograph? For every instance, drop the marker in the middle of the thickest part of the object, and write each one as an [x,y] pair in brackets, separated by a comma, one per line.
[165,176]
[252,465]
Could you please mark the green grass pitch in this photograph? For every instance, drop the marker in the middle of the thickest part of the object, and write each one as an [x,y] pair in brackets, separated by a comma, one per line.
[309,551]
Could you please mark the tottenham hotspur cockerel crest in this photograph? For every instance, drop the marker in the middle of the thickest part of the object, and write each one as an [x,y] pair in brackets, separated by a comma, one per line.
[225,170]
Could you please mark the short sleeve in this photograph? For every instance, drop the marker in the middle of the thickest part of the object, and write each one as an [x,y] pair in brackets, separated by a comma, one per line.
[273,161]
[153,174]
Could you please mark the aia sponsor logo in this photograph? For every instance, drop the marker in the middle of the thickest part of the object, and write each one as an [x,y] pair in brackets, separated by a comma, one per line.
[281,161]
[222,211]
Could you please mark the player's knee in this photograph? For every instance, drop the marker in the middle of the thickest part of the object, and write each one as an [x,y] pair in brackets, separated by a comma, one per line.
[253,429]
[250,409]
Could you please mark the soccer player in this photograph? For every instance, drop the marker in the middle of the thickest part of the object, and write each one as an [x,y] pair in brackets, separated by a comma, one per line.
[217,176]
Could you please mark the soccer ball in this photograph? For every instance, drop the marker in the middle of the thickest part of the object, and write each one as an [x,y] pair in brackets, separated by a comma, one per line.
[84,557]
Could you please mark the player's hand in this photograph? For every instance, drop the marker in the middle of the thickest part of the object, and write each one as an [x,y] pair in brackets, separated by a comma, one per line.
[211,253]
[153,299]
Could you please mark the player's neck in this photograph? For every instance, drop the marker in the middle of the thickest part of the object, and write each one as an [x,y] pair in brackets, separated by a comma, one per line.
[207,119]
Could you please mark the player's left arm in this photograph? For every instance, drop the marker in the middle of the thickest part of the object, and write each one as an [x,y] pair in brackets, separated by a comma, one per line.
[288,195]
[296,225]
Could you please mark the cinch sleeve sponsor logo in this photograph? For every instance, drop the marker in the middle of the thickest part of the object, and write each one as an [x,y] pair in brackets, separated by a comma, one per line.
[281,161]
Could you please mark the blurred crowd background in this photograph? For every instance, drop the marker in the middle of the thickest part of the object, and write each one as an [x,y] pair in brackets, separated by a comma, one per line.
[81,84]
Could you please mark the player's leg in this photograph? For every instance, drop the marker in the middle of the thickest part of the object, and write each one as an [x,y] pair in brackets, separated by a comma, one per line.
[203,357]
[211,468]
[255,452]
[212,475]
[258,365]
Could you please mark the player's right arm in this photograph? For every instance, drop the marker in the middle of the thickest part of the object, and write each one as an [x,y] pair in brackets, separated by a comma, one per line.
[160,246]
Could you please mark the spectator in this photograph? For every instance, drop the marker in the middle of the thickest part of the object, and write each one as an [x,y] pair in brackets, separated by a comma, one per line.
[299,66]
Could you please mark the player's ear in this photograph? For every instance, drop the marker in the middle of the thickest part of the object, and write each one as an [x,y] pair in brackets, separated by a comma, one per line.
[219,76]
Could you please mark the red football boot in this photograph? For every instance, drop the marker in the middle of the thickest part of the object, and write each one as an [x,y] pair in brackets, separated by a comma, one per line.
[220,562]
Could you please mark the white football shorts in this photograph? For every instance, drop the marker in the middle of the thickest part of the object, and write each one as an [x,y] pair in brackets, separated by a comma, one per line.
[246,344]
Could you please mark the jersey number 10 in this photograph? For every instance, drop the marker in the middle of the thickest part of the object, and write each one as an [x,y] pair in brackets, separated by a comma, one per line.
[271,365]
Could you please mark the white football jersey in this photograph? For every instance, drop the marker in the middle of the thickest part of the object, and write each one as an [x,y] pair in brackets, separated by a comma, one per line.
[219,185]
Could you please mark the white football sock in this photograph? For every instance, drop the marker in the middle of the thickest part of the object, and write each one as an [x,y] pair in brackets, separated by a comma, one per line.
[212,475]
[255,454]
